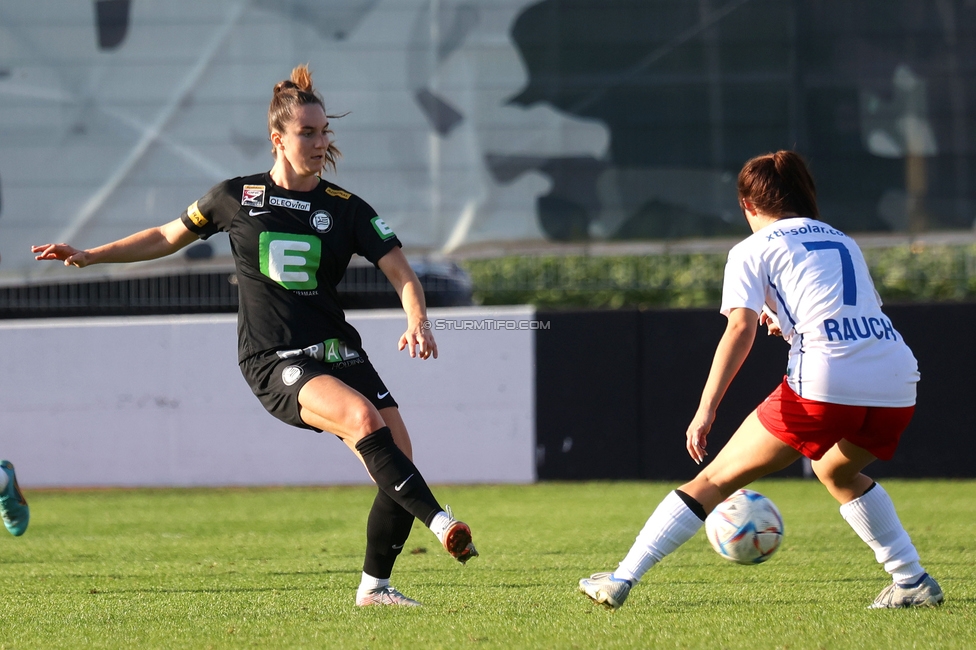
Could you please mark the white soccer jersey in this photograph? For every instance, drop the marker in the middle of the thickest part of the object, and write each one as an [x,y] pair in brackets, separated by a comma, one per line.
[844,350]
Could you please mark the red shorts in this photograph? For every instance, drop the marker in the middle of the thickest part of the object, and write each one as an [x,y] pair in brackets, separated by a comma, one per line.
[814,427]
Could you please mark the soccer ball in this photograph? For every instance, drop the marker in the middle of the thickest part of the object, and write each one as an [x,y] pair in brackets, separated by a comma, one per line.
[745,528]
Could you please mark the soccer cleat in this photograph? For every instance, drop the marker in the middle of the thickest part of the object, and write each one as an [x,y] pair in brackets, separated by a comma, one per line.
[385,596]
[13,505]
[457,539]
[606,590]
[924,593]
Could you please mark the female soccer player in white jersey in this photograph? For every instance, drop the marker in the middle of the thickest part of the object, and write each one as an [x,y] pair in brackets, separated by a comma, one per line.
[848,394]
[292,235]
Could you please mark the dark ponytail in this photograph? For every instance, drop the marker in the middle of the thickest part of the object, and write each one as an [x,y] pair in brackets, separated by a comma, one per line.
[779,184]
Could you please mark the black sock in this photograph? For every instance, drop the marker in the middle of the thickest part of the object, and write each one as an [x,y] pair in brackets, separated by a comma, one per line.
[692,504]
[397,476]
[387,530]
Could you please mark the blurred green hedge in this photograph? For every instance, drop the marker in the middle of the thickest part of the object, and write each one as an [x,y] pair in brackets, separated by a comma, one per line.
[908,273]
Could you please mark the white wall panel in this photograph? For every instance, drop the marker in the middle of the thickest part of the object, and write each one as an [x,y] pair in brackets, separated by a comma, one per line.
[158,401]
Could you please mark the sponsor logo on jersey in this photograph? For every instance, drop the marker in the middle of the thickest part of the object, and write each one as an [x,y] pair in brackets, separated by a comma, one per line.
[330,350]
[253,196]
[335,351]
[383,230]
[196,216]
[290,260]
[321,221]
[291,204]
[803,230]
[342,194]
[291,374]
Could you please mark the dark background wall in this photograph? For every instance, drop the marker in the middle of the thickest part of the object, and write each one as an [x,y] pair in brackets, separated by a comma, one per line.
[615,391]
[706,85]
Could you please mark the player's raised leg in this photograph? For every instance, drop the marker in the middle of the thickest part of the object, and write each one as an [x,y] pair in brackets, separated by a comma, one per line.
[330,405]
[869,510]
[387,530]
[750,454]
[454,535]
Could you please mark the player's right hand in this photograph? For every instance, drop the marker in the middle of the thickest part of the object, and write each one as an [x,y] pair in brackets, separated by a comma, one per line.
[697,435]
[70,255]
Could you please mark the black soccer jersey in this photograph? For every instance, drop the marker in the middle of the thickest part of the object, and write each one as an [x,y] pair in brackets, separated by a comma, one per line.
[291,249]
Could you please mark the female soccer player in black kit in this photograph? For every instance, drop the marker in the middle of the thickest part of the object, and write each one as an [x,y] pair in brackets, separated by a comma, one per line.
[292,235]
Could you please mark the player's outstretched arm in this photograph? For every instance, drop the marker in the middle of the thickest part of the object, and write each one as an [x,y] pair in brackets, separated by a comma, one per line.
[148,244]
[418,339]
[732,350]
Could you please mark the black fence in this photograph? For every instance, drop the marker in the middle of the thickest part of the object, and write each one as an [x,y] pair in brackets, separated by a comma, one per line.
[171,294]
[362,287]
[616,390]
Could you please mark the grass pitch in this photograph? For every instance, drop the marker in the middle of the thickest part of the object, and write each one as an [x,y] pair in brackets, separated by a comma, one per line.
[279,567]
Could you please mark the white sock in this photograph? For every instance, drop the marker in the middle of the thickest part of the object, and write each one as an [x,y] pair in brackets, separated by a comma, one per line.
[873,518]
[439,524]
[369,583]
[4,480]
[671,525]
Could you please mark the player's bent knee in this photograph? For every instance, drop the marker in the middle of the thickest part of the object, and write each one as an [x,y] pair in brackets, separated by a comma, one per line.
[837,478]
[837,482]
[363,420]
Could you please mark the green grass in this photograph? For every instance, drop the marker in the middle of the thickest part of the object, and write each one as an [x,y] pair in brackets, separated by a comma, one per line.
[278,568]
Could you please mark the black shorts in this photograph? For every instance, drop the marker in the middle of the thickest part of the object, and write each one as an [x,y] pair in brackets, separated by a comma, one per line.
[276,382]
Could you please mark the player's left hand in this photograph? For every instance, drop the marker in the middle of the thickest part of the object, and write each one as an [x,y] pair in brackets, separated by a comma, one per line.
[772,324]
[697,435]
[419,340]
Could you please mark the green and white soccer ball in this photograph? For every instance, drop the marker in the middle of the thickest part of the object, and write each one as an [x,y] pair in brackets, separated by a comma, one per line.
[745,528]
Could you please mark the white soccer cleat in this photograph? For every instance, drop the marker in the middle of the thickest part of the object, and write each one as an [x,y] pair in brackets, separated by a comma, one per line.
[456,539]
[924,593]
[606,590]
[385,596]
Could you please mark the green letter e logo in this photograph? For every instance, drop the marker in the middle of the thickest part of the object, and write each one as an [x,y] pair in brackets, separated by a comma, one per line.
[381,228]
[290,260]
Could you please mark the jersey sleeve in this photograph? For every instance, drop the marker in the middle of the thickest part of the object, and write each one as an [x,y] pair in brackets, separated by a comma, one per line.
[208,215]
[374,237]
[744,283]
